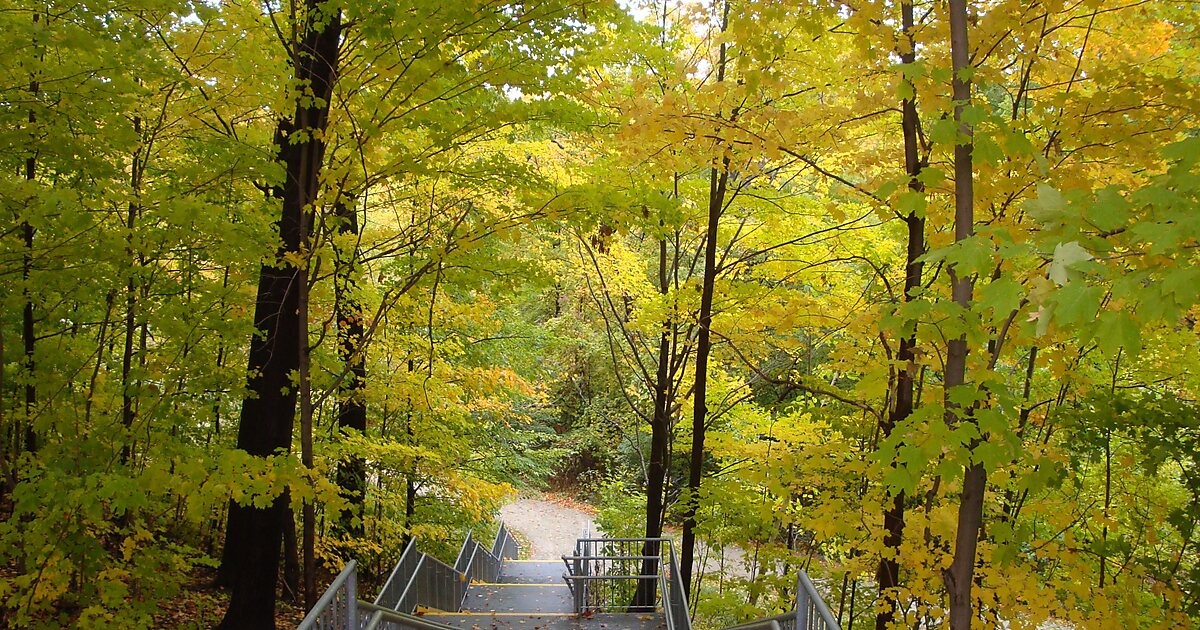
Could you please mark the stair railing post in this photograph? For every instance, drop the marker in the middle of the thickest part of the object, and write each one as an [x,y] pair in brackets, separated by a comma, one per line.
[352,604]
[802,605]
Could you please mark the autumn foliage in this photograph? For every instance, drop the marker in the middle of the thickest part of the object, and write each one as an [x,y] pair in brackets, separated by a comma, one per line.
[902,293]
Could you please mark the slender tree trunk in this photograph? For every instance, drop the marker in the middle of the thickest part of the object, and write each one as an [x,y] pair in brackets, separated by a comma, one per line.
[660,430]
[717,182]
[352,408]
[1108,478]
[303,374]
[959,577]
[27,330]
[131,298]
[410,479]
[250,562]
[888,573]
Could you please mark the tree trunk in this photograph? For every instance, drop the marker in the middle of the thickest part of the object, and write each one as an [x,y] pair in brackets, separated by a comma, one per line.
[888,573]
[660,434]
[291,557]
[131,295]
[304,376]
[27,331]
[959,577]
[250,562]
[718,179]
[352,408]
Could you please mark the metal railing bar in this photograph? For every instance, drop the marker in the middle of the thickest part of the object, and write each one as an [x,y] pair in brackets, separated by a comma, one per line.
[658,557]
[761,624]
[409,548]
[382,612]
[439,563]
[413,579]
[463,551]
[623,540]
[758,622]
[498,544]
[816,601]
[346,577]
[612,577]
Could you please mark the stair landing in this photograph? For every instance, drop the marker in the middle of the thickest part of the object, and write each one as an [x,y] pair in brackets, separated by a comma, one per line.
[532,595]
[559,621]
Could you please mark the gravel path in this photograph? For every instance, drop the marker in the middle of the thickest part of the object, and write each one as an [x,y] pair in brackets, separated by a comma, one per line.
[550,528]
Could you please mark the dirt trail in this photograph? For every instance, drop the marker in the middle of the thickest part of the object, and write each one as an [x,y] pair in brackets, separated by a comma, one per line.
[551,528]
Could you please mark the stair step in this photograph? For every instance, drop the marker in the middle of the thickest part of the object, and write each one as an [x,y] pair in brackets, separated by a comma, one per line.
[519,598]
[561,621]
[532,572]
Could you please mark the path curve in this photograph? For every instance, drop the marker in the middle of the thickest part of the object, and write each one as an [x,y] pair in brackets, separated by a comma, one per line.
[550,528]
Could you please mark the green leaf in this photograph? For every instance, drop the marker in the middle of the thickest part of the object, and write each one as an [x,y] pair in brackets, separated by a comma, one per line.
[1116,331]
[1184,285]
[1065,255]
[931,176]
[1076,303]
[911,202]
[1048,206]
[1001,296]
[943,131]
[1110,211]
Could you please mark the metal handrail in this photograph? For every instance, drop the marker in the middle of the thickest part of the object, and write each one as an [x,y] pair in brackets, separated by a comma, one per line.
[464,553]
[676,596]
[505,547]
[418,579]
[619,540]
[763,624]
[808,601]
[599,562]
[482,566]
[338,603]
[391,593]
[780,620]
[616,577]
[381,618]
[422,580]
[612,558]
[810,613]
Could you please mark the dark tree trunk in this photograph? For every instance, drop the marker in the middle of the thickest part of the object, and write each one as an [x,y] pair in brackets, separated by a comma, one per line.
[27,331]
[131,294]
[352,408]
[717,183]
[660,435]
[250,563]
[959,577]
[718,180]
[303,377]
[291,557]
[887,575]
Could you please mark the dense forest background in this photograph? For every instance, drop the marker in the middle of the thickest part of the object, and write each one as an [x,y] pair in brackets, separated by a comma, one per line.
[901,292]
